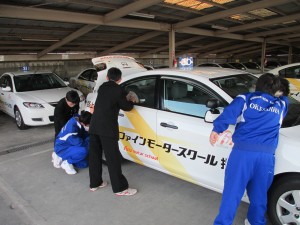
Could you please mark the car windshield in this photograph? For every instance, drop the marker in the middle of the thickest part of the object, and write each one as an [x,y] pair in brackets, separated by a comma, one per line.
[238,66]
[236,84]
[242,83]
[37,81]
[226,65]
[251,65]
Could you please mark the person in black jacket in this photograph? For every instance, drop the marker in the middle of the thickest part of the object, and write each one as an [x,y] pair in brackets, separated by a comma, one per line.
[65,109]
[104,135]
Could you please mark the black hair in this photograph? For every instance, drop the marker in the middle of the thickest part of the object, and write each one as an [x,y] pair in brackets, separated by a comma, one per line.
[85,117]
[114,74]
[72,96]
[270,84]
[285,86]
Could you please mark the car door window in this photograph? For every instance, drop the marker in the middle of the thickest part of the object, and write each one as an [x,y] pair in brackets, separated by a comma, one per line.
[86,75]
[185,98]
[94,75]
[6,81]
[144,89]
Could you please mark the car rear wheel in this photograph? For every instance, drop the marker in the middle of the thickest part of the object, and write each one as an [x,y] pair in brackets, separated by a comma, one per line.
[284,201]
[19,120]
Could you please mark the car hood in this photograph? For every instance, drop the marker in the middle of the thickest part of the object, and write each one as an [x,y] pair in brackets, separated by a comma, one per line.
[42,96]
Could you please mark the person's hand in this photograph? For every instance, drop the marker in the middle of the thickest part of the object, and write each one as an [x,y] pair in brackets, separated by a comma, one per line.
[131,96]
[213,138]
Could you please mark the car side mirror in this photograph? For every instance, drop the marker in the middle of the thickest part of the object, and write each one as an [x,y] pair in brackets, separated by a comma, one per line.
[6,89]
[213,112]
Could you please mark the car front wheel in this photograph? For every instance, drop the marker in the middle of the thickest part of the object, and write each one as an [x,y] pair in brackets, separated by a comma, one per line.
[19,120]
[284,201]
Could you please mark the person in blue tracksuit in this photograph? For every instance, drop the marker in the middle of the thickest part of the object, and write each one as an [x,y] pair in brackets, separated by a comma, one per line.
[258,117]
[71,144]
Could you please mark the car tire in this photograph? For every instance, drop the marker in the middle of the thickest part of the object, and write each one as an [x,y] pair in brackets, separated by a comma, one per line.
[19,119]
[284,201]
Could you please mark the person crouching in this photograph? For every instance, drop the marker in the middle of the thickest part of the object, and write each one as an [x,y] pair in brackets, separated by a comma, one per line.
[71,144]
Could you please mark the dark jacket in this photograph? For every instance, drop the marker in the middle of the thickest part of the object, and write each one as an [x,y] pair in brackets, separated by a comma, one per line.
[62,114]
[111,98]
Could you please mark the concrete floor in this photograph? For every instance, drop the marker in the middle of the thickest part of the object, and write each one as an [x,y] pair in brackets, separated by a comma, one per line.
[33,192]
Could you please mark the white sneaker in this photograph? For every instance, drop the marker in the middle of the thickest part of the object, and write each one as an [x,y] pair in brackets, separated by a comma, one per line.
[68,168]
[127,192]
[56,160]
[247,222]
[104,184]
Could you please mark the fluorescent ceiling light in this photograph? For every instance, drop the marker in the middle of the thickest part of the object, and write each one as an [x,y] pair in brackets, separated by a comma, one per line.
[143,15]
[219,27]
[36,39]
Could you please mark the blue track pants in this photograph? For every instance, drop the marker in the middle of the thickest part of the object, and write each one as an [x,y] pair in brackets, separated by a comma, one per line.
[75,155]
[250,170]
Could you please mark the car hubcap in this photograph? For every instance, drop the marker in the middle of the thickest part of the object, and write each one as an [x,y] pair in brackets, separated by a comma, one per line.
[288,208]
[18,118]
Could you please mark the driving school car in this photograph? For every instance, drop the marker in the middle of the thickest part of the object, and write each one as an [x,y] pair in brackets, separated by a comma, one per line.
[30,97]
[168,130]
[90,79]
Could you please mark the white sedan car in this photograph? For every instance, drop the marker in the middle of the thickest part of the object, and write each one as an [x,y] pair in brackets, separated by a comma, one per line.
[169,131]
[30,97]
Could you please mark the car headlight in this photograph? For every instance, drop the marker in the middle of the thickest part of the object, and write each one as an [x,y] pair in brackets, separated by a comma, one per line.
[82,98]
[33,105]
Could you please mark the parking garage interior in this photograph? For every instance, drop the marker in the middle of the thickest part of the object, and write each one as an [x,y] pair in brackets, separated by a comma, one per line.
[63,36]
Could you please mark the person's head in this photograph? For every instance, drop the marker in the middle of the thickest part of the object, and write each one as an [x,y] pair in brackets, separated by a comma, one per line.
[72,98]
[272,85]
[85,119]
[114,74]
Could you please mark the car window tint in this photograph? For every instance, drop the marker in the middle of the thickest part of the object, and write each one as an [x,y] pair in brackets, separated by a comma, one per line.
[184,98]
[291,72]
[6,81]
[94,75]
[144,89]
[86,75]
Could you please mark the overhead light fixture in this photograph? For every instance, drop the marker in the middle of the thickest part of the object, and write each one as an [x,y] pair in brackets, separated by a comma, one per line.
[143,15]
[219,27]
[36,39]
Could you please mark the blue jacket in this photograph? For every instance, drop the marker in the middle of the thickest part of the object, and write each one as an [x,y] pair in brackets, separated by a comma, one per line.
[72,134]
[258,117]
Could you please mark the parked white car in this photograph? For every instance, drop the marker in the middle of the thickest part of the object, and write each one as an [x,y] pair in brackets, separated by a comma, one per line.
[292,73]
[169,131]
[30,97]
[250,67]
[221,65]
[90,79]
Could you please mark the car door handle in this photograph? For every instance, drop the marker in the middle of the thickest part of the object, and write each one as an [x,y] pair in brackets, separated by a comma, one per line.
[121,114]
[168,125]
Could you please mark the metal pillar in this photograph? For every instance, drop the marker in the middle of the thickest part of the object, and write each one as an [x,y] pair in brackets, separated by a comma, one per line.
[171,47]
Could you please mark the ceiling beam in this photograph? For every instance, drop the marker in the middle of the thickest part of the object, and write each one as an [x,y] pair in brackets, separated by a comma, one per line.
[18,12]
[85,29]
[286,36]
[177,44]
[275,31]
[229,12]
[213,45]
[259,24]
[258,50]
[132,42]
[222,49]
[129,8]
